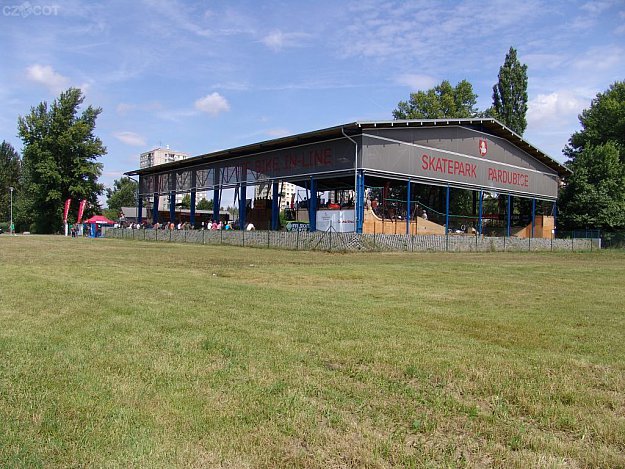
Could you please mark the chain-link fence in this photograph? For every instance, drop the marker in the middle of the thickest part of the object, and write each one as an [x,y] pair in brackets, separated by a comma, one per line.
[344,242]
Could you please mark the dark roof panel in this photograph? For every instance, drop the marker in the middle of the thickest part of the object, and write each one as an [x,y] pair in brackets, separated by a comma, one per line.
[488,125]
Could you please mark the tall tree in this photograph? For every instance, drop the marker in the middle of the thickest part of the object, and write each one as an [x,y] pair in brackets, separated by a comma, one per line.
[510,94]
[594,195]
[602,122]
[439,102]
[122,194]
[10,168]
[59,159]
[185,203]
[205,204]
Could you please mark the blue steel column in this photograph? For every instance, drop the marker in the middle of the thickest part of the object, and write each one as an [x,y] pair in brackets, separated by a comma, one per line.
[155,208]
[508,216]
[242,198]
[555,216]
[533,215]
[447,212]
[479,217]
[172,206]
[275,207]
[408,208]
[193,190]
[192,209]
[312,206]
[360,200]
[216,201]
[139,209]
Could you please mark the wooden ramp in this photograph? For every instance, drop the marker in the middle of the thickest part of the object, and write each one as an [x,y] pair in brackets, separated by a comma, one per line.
[543,228]
[418,226]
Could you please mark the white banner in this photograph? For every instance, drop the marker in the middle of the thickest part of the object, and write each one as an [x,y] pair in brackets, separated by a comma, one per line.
[343,221]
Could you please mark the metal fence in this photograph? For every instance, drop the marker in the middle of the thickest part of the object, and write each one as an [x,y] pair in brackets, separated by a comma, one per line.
[333,241]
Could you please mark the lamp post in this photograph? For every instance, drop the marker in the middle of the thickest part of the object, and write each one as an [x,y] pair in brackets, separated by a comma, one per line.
[11,228]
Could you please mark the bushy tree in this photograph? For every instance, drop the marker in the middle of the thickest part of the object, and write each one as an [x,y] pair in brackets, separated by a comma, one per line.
[59,160]
[439,102]
[10,168]
[122,194]
[204,204]
[185,203]
[510,94]
[594,195]
[602,122]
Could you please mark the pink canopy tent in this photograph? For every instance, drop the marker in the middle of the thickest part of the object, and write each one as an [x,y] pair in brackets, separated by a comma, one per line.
[99,220]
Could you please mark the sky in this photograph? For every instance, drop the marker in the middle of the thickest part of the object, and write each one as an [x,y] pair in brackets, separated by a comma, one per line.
[201,76]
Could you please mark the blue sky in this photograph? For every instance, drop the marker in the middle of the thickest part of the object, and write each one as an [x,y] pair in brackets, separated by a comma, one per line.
[203,76]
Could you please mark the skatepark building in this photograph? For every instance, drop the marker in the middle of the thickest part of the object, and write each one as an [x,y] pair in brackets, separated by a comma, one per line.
[401,175]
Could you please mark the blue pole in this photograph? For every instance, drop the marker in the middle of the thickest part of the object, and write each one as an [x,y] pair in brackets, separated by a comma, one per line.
[193,198]
[172,206]
[216,201]
[447,212]
[155,209]
[275,207]
[242,198]
[192,213]
[312,206]
[360,200]
[408,207]
[479,217]
[555,216]
[139,210]
[533,215]
[508,216]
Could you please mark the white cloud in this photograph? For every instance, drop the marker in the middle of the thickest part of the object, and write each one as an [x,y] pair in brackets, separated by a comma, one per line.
[213,104]
[417,81]
[45,75]
[611,58]
[596,7]
[131,138]
[125,108]
[277,40]
[277,133]
[555,109]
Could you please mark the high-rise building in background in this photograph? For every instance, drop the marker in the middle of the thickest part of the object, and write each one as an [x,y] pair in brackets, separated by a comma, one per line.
[288,192]
[158,156]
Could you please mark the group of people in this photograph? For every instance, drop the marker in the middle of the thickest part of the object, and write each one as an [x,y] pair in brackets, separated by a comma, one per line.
[181,226]
[216,225]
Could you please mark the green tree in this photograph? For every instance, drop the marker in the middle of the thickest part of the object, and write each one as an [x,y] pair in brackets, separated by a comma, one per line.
[185,203]
[204,204]
[10,169]
[510,94]
[122,194]
[439,102]
[594,195]
[59,160]
[603,122]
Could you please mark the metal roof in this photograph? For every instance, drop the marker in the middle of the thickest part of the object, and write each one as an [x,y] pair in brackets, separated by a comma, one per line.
[487,125]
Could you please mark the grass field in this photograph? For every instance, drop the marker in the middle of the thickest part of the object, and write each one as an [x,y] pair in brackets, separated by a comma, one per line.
[119,353]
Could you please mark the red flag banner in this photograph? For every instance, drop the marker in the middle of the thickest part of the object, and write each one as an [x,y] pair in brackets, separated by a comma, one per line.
[81,209]
[66,210]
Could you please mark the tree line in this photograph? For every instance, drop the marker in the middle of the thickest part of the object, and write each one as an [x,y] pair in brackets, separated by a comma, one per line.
[60,154]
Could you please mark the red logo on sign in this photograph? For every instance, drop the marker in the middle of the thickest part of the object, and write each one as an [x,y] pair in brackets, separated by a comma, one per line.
[483,147]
